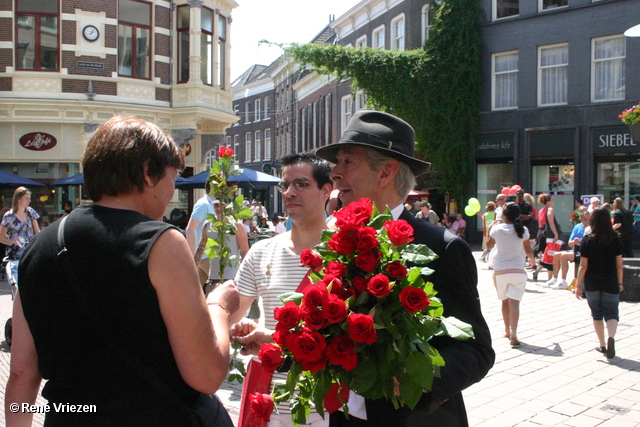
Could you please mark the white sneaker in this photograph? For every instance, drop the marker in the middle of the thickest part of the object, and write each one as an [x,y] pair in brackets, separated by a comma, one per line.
[561,284]
[550,283]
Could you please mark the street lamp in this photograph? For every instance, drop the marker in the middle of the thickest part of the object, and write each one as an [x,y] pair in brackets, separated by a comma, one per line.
[633,31]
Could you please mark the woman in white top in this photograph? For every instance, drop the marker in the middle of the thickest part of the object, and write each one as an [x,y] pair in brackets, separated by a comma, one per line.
[511,240]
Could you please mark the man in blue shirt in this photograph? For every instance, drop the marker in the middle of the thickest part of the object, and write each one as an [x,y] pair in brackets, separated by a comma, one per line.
[203,206]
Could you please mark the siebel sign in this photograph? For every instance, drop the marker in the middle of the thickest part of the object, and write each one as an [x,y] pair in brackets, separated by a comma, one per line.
[38,141]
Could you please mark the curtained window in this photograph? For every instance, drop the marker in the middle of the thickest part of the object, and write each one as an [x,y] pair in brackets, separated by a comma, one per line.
[553,74]
[608,82]
[505,80]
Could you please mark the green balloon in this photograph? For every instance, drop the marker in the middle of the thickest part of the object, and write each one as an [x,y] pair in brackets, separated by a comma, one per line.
[470,211]
[475,206]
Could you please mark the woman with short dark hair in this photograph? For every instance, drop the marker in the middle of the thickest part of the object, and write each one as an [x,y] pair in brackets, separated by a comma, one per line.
[601,271]
[117,321]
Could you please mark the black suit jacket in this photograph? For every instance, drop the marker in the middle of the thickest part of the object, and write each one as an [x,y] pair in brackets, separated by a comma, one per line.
[467,362]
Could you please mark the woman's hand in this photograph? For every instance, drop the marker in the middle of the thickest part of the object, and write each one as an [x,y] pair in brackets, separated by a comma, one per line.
[227,295]
[579,291]
[250,335]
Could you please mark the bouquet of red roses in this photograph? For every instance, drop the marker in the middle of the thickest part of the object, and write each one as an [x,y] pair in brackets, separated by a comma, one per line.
[363,323]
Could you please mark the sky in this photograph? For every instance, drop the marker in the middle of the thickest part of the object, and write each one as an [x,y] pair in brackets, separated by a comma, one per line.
[278,21]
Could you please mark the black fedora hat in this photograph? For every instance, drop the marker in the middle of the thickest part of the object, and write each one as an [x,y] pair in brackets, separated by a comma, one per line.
[382,132]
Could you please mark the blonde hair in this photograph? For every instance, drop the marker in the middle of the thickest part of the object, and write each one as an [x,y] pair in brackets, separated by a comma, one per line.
[17,195]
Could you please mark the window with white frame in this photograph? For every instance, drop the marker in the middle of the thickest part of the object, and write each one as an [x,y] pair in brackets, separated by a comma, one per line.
[427,18]
[361,100]
[552,4]
[362,41]
[267,144]
[247,112]
[247,147]
[206,45]
[258,110]
[505,9]
[267,106]
[397,33]
[377,38]
[553,74]
[346,112]
[209,158]
[236,111]
[236,144]
[505,80]
[257,143]
[608,68]
[222,51]
[134,39]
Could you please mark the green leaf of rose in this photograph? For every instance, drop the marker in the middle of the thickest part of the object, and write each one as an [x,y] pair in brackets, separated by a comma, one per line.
[457,328]
[410,392]
[420,369]
[291,296]
[418,254]
[378,221]
[365,376]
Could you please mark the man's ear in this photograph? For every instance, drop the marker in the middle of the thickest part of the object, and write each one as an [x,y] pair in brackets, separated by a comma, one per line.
[147,179]
[388,173]
[326,191]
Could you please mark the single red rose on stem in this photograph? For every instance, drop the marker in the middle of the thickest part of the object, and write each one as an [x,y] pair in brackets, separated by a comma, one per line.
[413,299]
[361,328]
[288,316]
[225,152]
[397,270]
[261,405]
[342,242]
[342,351]
[354,216]
[400,232]
[271,357]
[310,258]
[367,260]
[314,295]
[359,283]
[379,286]
[308,348]
[314,318]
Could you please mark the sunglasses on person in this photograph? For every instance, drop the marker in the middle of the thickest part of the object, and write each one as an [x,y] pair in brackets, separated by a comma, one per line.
[299,184]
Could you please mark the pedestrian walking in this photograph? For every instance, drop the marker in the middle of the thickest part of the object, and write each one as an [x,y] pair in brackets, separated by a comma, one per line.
[601,271]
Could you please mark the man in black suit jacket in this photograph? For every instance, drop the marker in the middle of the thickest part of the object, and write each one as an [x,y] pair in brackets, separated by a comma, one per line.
[374,159]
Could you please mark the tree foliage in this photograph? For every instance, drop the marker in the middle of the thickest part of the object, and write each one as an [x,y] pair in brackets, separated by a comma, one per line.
[436,88]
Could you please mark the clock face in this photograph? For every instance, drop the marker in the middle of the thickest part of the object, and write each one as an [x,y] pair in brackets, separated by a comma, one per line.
[90,33]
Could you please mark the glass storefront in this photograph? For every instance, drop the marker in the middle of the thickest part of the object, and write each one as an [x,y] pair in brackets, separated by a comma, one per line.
[491,179]
[557,180]
[618,179]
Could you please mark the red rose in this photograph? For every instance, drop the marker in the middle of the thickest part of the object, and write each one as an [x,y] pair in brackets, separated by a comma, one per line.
[397,270]
[367,261]
[361,328]
[313,318]
[342,351]
[225,152]
[271,357]
[310,258]
[335,268]
[342,242]
[346,292]
[308,348]
[287,316]
[359,283]
[399,231]
[314,295]
[334,309]
[280,336]
[413,299]
[331,280]
[379,286]
[366,238]
[261,405]
[354,216]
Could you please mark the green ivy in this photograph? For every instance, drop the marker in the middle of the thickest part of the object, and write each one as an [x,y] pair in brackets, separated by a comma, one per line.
[436,89]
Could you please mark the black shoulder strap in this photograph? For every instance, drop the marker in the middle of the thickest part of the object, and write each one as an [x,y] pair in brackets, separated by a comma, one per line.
[135,364]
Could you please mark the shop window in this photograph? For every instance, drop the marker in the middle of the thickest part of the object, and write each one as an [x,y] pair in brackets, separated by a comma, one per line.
[37,35]
[491,179]
[608,68]
[505,9]
[557,180]
[553,74]
[134,39]
[397,33]
[183,14]
[619,179]
[505,80]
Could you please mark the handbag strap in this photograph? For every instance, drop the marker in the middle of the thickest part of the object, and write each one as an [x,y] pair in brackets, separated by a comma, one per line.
[134,363]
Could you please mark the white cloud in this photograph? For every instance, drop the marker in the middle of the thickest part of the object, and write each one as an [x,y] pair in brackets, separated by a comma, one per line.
[278,21]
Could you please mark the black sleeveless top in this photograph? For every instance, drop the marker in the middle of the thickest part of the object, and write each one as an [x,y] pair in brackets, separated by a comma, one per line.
[109,250]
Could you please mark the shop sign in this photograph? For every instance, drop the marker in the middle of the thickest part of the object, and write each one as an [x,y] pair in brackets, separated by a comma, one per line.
[493,146]
[38,141]
[613,140]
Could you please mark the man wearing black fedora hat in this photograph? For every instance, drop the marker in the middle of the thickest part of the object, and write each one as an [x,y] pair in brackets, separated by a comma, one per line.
[375,159]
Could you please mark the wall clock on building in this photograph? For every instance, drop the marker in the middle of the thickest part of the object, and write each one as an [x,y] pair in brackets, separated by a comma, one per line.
[91,33]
